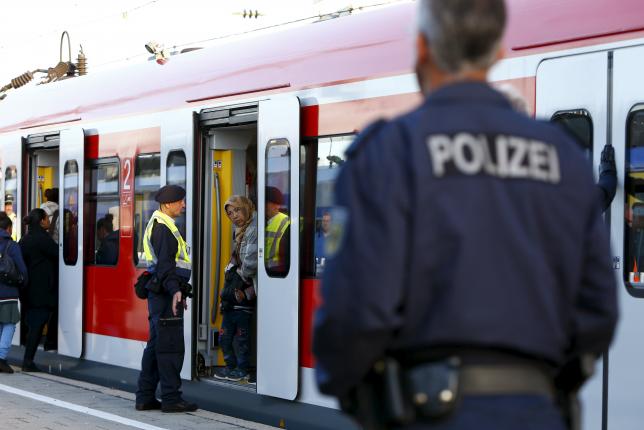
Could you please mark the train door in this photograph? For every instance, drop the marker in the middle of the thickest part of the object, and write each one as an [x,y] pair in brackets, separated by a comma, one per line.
[42,191]
[578,102]
[278,153]
[627,230]
[11,173]
[248,149]
[70,227]
[177,163]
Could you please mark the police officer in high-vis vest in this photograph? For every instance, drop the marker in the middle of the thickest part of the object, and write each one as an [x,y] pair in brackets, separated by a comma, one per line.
[472,283]
[167,257]
[277,233]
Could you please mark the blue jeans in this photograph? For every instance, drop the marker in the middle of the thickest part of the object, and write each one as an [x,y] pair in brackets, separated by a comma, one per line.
[525,412]
[6,335]
[236,325]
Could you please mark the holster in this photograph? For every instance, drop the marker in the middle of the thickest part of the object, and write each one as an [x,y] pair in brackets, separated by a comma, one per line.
[568,382]
[393,396]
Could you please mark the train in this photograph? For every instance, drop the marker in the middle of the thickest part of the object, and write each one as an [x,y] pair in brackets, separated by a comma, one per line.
[279,109]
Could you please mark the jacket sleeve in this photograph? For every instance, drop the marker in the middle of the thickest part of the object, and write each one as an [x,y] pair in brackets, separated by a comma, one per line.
[50,248]
[596,312]
[363,285]
[165,246]
[249,263]
[16,256]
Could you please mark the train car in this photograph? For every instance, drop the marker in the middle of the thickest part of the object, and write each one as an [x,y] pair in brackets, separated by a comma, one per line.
[279,109]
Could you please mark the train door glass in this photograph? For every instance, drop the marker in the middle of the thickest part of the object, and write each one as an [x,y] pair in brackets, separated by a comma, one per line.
[102,211]
[579,124]
[176,175]
[634,202]
[278,149]
[11,198]
[70,268]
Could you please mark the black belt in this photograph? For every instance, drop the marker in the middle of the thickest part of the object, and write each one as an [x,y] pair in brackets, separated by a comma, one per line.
[505,379]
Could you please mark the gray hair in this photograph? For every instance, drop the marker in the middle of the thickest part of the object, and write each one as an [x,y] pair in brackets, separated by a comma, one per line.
[463,34]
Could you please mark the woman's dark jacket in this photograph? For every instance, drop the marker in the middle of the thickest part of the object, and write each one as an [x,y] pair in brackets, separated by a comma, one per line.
[40,253]
[10,292]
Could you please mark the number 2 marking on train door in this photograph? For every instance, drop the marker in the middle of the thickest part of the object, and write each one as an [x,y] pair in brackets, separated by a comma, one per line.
[127,166]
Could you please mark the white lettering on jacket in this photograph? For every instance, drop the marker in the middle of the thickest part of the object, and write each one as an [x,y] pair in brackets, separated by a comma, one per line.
[504,157]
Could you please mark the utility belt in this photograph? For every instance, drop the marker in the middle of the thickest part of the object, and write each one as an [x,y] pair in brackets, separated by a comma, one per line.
[395,395]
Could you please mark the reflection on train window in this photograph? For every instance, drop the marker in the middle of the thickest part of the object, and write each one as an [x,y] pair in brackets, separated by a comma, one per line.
[580,125]
[634,203]
[329,160]
[147,181]
[176,175]
[70,213]
[11,198]
[102,201]
[277,196]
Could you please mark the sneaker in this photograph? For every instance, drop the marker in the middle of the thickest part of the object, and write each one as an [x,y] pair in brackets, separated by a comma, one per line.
[222,373]
[181,406]
[237,375]
[148,406]
[4,367]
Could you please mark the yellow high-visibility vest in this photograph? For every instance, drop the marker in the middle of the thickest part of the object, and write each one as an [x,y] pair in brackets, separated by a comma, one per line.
[182,258]
[274,233]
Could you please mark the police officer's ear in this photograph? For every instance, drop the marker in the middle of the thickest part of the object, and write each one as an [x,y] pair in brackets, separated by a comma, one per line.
[422,50]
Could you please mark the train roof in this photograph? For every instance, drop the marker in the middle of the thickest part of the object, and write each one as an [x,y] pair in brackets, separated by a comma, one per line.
[372,44]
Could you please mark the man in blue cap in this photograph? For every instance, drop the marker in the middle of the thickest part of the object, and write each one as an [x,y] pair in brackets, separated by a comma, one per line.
[167,256]
[474,265]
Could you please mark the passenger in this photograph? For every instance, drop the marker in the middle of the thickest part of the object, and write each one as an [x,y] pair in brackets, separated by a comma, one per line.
[277,240]
[463,281]
[8,208]
[41,299]
[238,295]
[167,257]
[108,250]
[9,293]
[50,206]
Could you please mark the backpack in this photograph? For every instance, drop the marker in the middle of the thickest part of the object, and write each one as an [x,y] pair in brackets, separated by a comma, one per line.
[9,273]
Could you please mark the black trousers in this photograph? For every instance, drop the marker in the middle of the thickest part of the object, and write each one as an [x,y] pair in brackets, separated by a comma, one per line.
[163,355]
[35,318]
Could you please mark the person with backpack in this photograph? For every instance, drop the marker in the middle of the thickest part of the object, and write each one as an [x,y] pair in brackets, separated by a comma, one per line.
[41,297]
[13,275]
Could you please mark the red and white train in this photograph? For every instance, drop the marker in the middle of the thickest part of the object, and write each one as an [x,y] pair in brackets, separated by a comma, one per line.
[279,109]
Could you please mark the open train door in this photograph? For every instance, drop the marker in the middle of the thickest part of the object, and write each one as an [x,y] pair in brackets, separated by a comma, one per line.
[278,153]
[11,174]
[70,301]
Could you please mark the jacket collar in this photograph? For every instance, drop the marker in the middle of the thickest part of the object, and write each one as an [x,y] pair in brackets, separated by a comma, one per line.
[467,92]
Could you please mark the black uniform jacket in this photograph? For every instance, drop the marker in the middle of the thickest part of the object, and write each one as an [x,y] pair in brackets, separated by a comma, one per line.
[467,224]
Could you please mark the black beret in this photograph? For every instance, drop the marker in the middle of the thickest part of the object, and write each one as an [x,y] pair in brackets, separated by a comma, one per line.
[169,194]
[274,195]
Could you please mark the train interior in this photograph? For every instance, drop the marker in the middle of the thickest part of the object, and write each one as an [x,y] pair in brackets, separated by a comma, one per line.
[43,168]
[229,167]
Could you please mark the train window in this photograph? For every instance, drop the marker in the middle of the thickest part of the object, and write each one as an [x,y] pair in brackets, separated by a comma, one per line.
[580,125]
[320,165]
[103,204]
[176,175]
[11,196]
[147,180]
[634,204]
[70,213]
[277,257]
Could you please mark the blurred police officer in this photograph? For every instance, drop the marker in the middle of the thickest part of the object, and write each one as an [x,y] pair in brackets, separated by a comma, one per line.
[167,257]
[466,253]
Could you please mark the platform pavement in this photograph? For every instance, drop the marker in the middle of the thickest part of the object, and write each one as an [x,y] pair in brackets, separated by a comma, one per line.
[35,401]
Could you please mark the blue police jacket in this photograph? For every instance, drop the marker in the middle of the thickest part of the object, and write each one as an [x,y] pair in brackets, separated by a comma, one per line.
[470,224]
